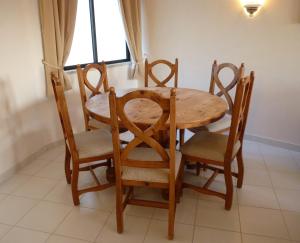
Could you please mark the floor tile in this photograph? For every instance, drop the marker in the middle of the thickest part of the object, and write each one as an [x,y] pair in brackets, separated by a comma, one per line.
[206,235]
[51,154]
[36,188]
[292,220]
[52,171]
[256,177]
[219,187]
[13,183]
[104,200]
[262,239]
[282,180]
[214,215]
[83,223]
[61,193]
[185,211]
[257,196]
[261,221]
[19,235]
[12,209]
[135,229]
[288,199]
[254,161]
[278,159]
[33,167]
[158,232]
[139,211]
[4,229]
[45,216]
[62,239]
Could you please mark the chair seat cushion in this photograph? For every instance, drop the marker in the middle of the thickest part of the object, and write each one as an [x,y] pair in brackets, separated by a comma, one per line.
[95,124]
[149,174]
[207,145]
[221,125]
[93,143]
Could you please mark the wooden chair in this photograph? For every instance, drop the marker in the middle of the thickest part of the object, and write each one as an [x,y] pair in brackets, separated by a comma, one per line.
[215,149]
[86,148]
[223,124]
[151,166]
[161,83]
[84,83]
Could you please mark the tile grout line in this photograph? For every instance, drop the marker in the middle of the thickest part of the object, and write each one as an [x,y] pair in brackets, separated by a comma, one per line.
[274,191]
[101,230]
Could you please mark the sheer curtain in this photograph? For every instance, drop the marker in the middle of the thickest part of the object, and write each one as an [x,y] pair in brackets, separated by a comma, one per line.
[131,13]
[57,24]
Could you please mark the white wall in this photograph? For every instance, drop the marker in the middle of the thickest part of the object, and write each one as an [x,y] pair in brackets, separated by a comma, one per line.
[199,31]
[28,119]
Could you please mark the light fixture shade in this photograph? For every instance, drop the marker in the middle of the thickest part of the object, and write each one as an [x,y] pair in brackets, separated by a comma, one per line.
[252,6]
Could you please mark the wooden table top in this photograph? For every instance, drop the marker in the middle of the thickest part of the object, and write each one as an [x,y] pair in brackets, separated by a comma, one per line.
[194,108]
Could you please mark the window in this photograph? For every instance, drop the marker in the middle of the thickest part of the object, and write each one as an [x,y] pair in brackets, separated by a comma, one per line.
[99,34]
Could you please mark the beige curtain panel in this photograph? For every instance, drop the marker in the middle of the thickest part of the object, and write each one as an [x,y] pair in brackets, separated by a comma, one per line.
[57,23]
[131,13]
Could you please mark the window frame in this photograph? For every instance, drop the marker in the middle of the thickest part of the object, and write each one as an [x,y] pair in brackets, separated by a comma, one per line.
[94,44]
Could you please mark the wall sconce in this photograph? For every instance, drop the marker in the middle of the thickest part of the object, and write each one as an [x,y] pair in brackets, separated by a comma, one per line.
[252,6]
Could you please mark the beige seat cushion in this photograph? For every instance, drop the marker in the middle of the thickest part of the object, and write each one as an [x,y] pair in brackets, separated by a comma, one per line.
[93,143]
[149,174]
[206,145]
[93,123]
[220,125]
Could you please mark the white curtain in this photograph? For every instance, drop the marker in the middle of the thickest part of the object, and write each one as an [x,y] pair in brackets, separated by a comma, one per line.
[131,13]
[57,24]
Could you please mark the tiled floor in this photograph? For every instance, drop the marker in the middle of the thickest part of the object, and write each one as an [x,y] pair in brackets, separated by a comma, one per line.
[36,206]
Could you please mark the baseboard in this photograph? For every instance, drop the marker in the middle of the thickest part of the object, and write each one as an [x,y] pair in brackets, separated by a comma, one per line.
[7,174]
[272,142]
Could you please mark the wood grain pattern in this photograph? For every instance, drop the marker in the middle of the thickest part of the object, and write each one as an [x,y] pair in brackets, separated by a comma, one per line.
[193,107]
[236,134]
[78,164]
[167,105]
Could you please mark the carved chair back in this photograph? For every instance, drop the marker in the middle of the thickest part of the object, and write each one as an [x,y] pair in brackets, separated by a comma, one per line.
[143,135]
[224,90]
[161,83]
[84,84]
[240,112]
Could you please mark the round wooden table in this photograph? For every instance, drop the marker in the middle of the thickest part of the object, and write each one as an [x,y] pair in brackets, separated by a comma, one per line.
[194,108]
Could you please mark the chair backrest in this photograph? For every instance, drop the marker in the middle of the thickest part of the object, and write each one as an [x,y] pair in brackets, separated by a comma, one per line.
[161,83]
[85,83]
[63,113]
[240,112]
[141,135]
[215,81]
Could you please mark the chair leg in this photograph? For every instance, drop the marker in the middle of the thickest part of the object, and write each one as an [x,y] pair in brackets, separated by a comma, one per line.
[229,186]
[181,137]
[74,183]
[171,213]
[119,208]
[240,163]
[68,171]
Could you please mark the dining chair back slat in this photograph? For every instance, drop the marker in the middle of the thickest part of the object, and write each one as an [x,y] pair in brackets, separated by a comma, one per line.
[84,84]
[161,83]
[240,112]
[63,112]
[224,90]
